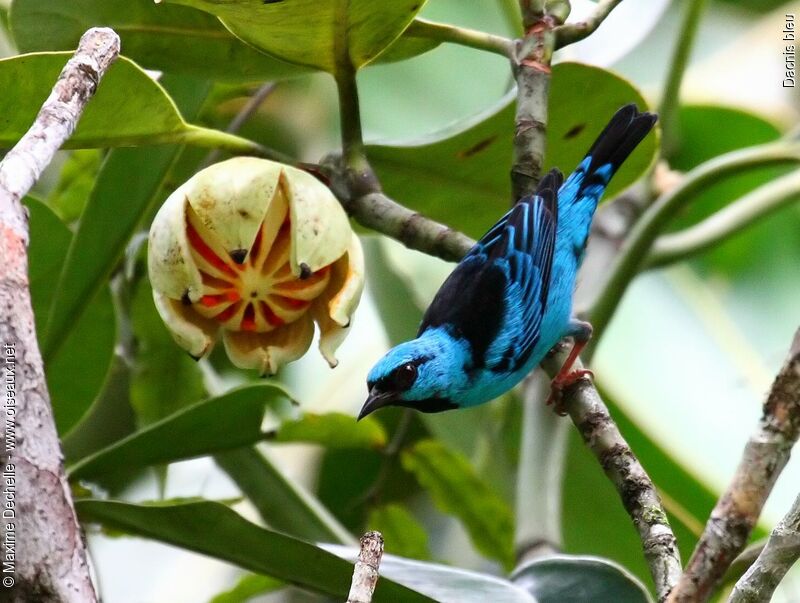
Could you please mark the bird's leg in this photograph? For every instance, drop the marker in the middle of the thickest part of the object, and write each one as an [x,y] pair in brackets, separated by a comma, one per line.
[581,333]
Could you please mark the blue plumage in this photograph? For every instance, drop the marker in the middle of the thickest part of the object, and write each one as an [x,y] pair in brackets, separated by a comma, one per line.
[509,300]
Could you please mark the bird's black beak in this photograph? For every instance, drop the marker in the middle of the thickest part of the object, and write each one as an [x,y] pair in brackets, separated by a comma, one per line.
[376,400]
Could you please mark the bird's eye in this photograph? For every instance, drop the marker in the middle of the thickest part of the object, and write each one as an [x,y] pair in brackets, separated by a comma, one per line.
[405,376]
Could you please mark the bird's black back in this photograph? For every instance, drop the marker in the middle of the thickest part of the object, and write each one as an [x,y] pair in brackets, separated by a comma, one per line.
[473,300]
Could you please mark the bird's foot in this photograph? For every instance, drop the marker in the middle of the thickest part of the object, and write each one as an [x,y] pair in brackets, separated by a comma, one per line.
[560,383]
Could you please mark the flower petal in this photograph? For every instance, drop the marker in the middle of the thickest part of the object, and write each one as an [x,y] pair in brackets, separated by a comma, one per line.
[333,310]
[320,228]
[169,259]
[191,331]
[267,352]
[232,197]
[347,280]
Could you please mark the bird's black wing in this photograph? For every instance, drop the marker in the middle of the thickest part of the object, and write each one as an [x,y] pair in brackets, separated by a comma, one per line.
[496,296]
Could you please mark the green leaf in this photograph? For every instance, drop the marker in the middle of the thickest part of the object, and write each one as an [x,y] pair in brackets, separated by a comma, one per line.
[248,587]
[129,107]
[69,196]
[442,583]
[340,34]
[122,195]
[221,423]
[333,430]
[459,176]
[215,530]
[576,579]
[76,374]
[173,39]
[281,502]
[401,532]
[457,490]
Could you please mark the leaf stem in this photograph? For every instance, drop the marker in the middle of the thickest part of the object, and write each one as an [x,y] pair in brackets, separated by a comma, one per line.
[575,32]
[350,118]
[237,145]
[670,98]
[423,28]
[726,223]
[637,245]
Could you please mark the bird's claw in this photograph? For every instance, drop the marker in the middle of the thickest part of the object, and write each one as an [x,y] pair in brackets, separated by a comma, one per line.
[559,384]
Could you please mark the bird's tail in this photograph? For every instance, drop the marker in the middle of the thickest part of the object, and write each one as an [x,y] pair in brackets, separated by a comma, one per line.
[623,133]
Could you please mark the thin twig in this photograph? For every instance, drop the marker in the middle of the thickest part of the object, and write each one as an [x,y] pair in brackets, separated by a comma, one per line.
[247,111]
[365,574]
[575,32]
[51,559]
[727,222]
[444,32]
[668,110]
[779,554]
[735,514]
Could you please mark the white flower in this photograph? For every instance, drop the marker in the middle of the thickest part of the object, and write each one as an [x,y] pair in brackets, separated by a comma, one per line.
[259,251]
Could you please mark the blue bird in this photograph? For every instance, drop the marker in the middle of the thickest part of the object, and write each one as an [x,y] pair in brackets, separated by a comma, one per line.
[509,300]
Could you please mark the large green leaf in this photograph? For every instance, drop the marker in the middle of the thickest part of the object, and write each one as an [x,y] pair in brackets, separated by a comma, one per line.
[282,503]
[221,423]
[213,529]
[129,107]
[76,374]
[123,192]
[326,34]
[173,39]
[460,176]
[68,197]
[577,579]
[457,489]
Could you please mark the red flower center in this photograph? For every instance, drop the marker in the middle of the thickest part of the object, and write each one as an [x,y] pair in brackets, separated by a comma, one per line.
[260,293]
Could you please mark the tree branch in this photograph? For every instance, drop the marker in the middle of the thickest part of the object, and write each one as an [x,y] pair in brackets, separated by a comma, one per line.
[422,28]
[575,32]
[51,561]
[727,222]
[380,213]
[531,65]
[779,554]
[735,514]
[637,491]
[365,574]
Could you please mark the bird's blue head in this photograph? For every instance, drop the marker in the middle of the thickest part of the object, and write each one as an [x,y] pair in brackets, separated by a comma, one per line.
[422,374]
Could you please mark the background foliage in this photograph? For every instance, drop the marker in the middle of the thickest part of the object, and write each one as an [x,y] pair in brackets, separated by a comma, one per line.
[166,451]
